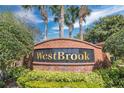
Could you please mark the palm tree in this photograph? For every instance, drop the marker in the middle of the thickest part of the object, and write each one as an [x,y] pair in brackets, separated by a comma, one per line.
[44,16]
[70,18]
[58,12]
[83,12]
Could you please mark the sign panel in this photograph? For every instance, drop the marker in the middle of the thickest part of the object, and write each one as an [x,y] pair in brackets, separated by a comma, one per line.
[64,55]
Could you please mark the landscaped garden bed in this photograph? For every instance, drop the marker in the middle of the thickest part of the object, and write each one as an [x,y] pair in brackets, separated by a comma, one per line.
[109,77]
[102,78]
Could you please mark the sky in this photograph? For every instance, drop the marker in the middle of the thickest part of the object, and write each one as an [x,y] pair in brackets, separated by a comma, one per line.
[33,16]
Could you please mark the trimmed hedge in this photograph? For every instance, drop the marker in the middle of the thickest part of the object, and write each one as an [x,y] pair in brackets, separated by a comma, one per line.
[60,79]
[41,84]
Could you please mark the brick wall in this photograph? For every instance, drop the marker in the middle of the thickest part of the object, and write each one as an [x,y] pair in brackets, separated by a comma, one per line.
[68,43]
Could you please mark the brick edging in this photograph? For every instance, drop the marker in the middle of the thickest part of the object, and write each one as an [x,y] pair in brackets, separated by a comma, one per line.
[63,64]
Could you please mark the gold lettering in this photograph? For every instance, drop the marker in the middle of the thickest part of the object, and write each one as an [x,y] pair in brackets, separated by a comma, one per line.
[49,56]
[79,56]
[86,56]
[82,57]
[67,56]
[61,56]
[74,57]
[39,56]
[43,56]
[54,56]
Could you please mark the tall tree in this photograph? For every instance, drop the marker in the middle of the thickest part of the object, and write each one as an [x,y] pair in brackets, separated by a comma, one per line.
[83,12]
[104,28]
[16,41]
[70,18]
[44,16]
[58,12]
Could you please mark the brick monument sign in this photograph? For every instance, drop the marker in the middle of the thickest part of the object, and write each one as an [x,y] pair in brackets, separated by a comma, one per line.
[66,55]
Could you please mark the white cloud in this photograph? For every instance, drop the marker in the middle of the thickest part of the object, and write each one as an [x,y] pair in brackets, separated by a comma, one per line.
[51,18]
[28,15]
[57,27]
[95,15]
[55,32]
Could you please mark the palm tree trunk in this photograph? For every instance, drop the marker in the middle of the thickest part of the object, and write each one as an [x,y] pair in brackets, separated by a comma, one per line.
[81,28]
[45,19]
[46,31]
[62,21]
[70,32]
[59,29]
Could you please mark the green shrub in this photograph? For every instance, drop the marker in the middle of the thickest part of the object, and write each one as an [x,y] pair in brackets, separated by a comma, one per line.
[105,73]
[2,84]
[54,76]
[118,78]
[121,70]
[113,77]
[94,80]
[85,79]
[16,72]
[21,81]
[41,84]
[116,63]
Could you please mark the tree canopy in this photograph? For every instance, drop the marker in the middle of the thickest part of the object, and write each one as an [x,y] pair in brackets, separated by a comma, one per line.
[71,16]
[15,39]
[115,44]
[103,28]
